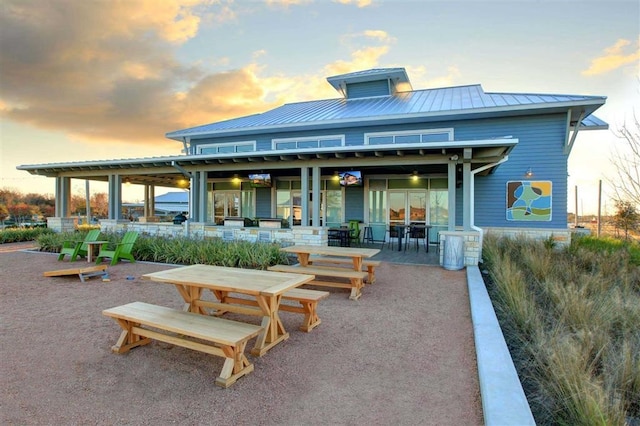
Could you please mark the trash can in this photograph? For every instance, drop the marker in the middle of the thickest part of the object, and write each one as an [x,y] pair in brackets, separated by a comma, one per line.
[453,255]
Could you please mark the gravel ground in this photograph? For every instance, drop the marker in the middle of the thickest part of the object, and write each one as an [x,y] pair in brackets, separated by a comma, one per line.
[402,354]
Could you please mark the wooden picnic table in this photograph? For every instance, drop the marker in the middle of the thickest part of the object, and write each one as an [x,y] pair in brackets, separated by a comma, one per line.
[357,254]
[354,275]
[265,286]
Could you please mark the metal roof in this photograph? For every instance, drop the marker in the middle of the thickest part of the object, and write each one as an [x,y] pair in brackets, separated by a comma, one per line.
[425,105]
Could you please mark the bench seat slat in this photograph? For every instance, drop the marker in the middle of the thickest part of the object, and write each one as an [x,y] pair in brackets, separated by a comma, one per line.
[343,260]
[326,271]
[223,331]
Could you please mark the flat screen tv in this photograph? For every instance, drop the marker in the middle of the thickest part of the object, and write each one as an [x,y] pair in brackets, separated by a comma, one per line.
[350,178]
[262,180]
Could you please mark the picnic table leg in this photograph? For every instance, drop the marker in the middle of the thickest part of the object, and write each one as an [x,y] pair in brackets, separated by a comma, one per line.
[356,286]
[128,340]
[235,365]
[273,329]
[303,259]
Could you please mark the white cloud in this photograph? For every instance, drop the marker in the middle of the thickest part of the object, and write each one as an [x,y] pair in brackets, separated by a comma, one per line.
[621,54]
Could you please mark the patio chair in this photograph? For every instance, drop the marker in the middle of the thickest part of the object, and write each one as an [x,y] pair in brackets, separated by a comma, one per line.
[122,249]
[354,231]
[335,238]
[78,248]
[416,234]
[393,233]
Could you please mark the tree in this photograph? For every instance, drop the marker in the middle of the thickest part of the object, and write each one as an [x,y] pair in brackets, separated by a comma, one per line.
[21,212]
[100,204]
[627,217]
[626,160]
[4,212]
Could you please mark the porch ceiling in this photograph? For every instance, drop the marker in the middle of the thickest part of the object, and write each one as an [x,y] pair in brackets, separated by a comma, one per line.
[376,159]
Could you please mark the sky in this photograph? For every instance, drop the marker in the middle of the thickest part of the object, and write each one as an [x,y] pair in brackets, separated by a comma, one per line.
[95,79]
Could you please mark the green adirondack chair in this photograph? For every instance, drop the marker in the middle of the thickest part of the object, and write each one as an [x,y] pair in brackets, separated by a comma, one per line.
[78,248]
[122,249]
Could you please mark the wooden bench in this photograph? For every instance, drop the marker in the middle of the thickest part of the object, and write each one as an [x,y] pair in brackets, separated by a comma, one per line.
[225,338]
[356,278]
[369,264]
[308,300]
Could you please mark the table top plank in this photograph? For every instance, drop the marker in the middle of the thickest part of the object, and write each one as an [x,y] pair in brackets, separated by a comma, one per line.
[248,281]
[332,250]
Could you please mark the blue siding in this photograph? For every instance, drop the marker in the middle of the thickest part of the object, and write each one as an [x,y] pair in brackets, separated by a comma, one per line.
[367,89]
[263,202]
[354,203]
[540,148]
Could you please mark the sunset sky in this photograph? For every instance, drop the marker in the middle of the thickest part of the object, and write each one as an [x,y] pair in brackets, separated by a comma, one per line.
[95,79]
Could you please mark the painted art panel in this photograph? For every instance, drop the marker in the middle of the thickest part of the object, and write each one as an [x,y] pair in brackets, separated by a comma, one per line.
[529,200]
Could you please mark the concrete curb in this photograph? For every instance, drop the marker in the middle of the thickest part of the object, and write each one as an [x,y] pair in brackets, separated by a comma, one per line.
[503,399]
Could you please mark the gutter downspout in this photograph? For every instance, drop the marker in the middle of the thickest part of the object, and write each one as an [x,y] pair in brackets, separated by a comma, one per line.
[473,195]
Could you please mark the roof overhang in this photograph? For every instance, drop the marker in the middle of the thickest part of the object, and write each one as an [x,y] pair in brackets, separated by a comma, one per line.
[161,171]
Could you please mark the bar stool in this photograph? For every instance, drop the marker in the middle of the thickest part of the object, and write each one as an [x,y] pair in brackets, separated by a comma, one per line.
[367,236]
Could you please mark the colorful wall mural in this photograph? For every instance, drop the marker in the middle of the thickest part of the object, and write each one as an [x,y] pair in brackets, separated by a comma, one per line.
[529,200]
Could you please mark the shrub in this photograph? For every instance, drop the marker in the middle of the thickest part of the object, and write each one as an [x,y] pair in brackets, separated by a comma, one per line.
[15,235]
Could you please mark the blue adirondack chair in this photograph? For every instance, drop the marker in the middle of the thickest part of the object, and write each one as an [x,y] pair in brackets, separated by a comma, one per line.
[78,248]
[122,250]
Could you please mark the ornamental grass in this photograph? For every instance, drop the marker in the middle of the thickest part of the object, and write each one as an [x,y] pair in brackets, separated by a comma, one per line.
[571,319]
[185,251]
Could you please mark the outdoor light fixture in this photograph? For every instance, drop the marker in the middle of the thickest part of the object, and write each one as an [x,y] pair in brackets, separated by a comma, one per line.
[529,173]
[235,178]
[336,176]
[127,181]
[414,175]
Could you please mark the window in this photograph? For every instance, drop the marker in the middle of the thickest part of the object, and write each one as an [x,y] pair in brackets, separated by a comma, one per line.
[227,148]
[410,136]
[310,142]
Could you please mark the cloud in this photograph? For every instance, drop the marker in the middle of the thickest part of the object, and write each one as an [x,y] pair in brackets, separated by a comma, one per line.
[101,71]
[286,3]
[359,3]
[614,57]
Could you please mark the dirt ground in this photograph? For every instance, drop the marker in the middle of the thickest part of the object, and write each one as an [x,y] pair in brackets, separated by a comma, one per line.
[402,354]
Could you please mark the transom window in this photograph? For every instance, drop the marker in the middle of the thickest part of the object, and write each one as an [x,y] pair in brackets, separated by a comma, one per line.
[410,136]
[227,148]
[310,142]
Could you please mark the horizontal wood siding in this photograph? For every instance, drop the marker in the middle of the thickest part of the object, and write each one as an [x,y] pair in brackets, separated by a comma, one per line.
[354,203]
[263,202]
[367,89]
[540,148]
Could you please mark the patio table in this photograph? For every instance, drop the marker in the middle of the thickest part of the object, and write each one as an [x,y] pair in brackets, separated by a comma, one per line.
[265,286]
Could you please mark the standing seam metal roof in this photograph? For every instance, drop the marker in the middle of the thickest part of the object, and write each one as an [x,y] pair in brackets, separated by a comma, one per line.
[454,100]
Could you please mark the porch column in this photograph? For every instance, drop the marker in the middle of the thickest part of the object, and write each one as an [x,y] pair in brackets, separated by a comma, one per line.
[63,197]
[202,197]
[115,197]
[467,154]
[149,201]
[194,194]
[452,195]
[316,195]
[304,196]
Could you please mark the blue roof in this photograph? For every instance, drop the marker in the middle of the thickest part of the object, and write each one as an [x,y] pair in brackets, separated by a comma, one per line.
[441,103]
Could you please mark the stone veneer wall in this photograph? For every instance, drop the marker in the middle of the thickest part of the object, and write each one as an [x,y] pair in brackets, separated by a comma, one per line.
[472,246]
[473,240]
[560,236]
[62,224]
[286,236]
